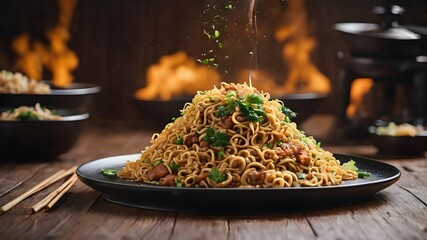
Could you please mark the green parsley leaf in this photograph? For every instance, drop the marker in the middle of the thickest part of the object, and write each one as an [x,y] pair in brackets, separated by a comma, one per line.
[221,154]
[254,99]
[217,176]
[288,113]
[174,167]
[180,140]
[223,111]
[216,139]
[250,107]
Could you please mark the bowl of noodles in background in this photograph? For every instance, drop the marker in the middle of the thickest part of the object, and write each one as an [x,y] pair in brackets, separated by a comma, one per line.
[399,139]
[39,120]
[17,90]
[32,133]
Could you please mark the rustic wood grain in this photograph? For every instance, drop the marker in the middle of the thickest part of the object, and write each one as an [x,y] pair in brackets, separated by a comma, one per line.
[398,212]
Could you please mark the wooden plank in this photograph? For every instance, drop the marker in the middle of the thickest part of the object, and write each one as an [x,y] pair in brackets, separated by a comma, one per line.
[414,177]
[105,220]
[200,227]
[288,226]
[398,212]
[392,214]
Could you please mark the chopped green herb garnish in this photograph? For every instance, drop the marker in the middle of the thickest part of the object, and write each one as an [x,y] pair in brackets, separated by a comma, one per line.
[109,172]
[174,167]
[363,174]
[180,140]
[254,99]
[250,106]
[216,138]
[301,175]
[143,160]
[217,176]
[178,182]
[288,113]
[158,162]
[216,34]
[269,145]
[351,166]
[279,142]
[221,154]
[27,116]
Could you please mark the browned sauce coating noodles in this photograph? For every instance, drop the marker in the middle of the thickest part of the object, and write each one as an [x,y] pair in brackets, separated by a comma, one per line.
[267,153]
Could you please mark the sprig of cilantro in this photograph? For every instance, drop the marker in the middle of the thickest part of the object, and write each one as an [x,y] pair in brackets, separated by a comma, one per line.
[216,138]
[217,176]
[250,106]
[288,113]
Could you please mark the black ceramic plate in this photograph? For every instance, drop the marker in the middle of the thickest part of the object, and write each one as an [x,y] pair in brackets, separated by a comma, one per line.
[79,97]
[235,200]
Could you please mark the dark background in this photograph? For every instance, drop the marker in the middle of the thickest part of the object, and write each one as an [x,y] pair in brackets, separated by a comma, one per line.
[116,41]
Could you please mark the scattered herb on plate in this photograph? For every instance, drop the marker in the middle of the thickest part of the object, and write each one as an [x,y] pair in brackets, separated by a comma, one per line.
[109,172]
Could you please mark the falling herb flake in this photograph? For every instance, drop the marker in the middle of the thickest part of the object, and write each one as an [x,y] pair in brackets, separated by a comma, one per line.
[216,34]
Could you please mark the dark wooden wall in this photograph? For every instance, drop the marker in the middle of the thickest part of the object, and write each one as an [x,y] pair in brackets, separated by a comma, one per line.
[116,40]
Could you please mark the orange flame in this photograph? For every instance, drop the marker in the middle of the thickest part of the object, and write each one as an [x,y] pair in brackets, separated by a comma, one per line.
[359,88]
[175,75]
[303,75]
[28,59]
[57,57]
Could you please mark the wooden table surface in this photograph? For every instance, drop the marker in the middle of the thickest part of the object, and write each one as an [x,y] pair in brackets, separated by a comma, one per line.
[398,212]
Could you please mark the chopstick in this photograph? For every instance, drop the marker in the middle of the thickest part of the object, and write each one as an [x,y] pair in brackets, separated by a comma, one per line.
[42,185]
[54,196]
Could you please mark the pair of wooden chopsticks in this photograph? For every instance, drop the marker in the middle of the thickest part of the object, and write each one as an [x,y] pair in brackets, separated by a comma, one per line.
[50,199]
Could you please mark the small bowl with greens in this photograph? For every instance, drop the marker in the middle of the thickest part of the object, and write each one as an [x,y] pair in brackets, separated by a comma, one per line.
[31,132]
[399,139]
